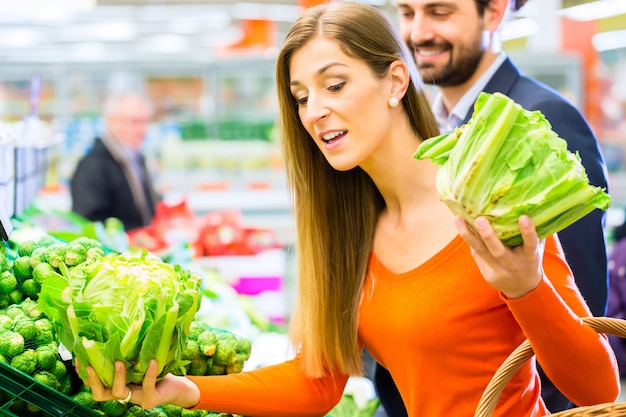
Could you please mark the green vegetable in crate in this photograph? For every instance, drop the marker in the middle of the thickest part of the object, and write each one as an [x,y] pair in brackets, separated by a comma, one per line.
[4,262]
[6,323]
[22,269]
[14,311]
[25,326]
[47,356]
[45,332]
[85,398]
[207,342]
[47,378]
[122,307]
[59,370]
[55,254]
[113,408]
[76,253]
[31,288]
[8,282]
[11,343]
[40,254]
[41,271]
[26,247]
[507,161]
[25,361]
[172,410]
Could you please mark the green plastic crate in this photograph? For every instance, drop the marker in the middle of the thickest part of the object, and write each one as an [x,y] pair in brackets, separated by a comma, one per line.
[20,386]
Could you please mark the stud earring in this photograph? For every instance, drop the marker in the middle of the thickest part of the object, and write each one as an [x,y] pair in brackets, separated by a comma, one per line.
[393,102]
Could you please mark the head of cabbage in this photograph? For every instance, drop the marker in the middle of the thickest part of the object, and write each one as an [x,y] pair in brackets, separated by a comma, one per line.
[507,161]
[122,307]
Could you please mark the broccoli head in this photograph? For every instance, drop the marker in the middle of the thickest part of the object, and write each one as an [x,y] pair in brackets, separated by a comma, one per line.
[11,343]
[8,282]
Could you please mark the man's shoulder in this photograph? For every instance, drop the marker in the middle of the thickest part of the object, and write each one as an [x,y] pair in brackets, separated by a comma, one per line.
[529,92]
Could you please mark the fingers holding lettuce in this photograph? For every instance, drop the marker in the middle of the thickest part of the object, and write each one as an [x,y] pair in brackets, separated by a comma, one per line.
[170,389]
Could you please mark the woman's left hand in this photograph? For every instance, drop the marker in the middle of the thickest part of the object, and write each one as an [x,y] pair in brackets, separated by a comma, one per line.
[171,389]
[515,271]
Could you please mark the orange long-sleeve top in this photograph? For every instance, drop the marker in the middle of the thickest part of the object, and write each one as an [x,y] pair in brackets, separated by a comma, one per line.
[442,332]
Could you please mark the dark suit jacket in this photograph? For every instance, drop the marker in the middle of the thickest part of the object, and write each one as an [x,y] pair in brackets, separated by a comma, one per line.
[584,241]
[100,189]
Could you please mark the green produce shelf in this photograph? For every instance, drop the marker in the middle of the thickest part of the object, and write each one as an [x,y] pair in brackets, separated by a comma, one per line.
[20,386]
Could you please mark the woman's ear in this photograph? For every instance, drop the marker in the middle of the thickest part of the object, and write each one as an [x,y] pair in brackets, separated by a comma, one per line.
[399,75]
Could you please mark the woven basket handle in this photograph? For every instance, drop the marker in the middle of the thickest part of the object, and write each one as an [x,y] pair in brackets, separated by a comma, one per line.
[523,352]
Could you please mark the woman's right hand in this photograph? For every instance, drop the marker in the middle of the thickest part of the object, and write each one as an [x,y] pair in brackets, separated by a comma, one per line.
[171,389]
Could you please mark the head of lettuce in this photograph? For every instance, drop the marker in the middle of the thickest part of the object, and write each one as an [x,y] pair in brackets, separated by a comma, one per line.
[122,307]
[507,161]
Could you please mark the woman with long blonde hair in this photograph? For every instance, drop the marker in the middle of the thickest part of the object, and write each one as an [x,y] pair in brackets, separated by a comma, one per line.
[384,264]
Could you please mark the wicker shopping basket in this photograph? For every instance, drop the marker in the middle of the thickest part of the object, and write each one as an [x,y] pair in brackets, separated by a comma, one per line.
[523,352]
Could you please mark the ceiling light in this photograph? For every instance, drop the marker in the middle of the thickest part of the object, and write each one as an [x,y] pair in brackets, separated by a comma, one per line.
[598,9]
[30,5]
[606,41]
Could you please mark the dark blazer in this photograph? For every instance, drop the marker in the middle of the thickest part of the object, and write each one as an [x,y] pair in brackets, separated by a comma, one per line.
[583,242]
[100,189]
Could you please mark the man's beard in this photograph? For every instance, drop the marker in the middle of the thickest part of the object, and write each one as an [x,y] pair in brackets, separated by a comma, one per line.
[456,71]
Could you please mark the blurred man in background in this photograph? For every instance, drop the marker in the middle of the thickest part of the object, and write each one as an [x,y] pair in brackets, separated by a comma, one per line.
[456,46]
[112,180]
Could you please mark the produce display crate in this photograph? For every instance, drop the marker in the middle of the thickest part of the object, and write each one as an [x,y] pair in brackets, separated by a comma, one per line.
[19,386]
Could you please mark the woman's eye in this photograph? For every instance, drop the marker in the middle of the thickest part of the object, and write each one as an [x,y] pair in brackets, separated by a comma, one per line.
[302,101]
[337,87]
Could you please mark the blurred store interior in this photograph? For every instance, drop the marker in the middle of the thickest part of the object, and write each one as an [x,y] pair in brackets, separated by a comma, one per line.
[208,66]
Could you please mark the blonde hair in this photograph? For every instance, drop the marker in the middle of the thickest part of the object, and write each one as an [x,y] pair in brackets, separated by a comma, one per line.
[336,211]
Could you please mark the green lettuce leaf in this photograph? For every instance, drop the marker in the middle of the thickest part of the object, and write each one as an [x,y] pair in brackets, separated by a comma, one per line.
[507,161]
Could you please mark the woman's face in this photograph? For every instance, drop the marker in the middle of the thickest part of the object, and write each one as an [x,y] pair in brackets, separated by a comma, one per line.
[341,102]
